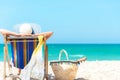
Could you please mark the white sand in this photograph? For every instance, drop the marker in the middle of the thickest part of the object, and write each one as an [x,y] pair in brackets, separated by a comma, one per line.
[91,70]
[99,70]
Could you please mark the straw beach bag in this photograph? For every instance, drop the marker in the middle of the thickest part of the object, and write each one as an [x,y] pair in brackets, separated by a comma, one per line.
[64,70]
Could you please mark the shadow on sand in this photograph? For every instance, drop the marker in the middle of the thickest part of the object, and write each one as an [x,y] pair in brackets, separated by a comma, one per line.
[80,79]
[51,77]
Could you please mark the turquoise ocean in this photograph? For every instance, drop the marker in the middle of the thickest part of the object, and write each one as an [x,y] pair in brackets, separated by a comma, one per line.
[93,52]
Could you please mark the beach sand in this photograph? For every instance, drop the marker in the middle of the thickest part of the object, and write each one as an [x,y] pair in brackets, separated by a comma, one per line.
[90,70]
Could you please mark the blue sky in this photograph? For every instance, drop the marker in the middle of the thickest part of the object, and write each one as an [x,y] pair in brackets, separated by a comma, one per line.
[72,21]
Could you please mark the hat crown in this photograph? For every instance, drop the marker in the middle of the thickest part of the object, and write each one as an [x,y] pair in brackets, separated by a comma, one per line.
[25,29]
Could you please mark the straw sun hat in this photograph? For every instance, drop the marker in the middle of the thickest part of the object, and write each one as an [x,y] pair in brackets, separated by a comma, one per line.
[27,28]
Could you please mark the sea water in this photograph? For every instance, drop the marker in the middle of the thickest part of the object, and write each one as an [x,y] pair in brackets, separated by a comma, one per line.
[93,52]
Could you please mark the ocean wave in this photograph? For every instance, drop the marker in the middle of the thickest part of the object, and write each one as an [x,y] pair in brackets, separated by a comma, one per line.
[81,55]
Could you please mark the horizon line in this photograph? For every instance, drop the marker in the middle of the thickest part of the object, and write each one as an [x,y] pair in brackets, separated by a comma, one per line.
[78,43]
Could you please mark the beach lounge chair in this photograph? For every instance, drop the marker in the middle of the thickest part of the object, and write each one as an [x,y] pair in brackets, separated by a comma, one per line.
[22,48]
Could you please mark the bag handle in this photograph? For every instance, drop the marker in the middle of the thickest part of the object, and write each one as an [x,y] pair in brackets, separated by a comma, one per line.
[65,52]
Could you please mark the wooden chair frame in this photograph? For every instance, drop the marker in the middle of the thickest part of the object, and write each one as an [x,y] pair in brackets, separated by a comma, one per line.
[7,60]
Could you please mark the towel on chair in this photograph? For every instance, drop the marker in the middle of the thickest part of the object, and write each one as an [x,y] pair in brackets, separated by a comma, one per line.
[35,68]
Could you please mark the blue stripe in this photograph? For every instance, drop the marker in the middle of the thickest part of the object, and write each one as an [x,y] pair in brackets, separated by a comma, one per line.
[12,49]
[20,53]
[29,50]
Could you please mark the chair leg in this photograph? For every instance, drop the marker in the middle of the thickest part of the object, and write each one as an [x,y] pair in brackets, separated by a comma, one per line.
[46,63]
[7,58]
[4,74]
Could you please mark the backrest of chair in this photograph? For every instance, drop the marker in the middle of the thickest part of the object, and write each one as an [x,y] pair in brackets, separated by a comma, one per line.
[22,49]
